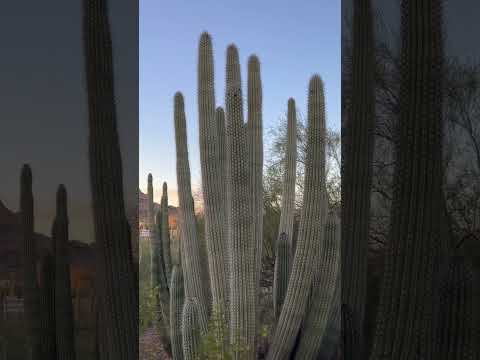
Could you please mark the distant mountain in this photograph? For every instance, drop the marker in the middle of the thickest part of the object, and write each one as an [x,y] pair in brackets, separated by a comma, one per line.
[143,211]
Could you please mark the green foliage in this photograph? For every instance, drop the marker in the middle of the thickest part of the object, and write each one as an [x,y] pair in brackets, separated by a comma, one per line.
[147,305]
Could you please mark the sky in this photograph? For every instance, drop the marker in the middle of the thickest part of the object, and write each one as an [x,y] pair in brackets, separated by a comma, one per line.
[293,39]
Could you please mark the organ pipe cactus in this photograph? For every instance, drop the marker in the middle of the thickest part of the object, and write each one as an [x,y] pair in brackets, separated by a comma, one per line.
[281,272]
[311,236]
[322,299]
[65,337]
[255,153]
[31,291]
[357,153]
[289,177]
[177,297]
[405,315]
[211,155]
[165,234]
[240,235]
[47,305]
[191,263]
[455,335]
[150,208]
[194,326]
[118,305]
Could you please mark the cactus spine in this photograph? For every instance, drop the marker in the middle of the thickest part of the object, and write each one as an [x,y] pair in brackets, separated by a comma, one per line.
[177,297]
[255,153]
[65,337]
[311,234]
[357,178]
[405,316]
[47,304]
[31,291]
[322,299]
[191,263]
[165,234]
[281,272]
[241,247]
[193,327]
[211,156]
[118,304]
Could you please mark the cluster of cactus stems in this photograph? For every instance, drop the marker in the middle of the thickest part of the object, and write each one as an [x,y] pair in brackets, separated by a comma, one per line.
[231,163]
[357,153]
[48,305]
[405,316]
[118,305]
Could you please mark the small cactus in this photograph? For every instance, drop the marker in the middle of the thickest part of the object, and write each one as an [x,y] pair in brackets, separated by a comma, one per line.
[177,297]
[165,234]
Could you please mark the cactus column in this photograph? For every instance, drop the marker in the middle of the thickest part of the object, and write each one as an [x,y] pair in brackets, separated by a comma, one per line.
[117,286]
[310,236]
[65,336]
[241,246]
[177,297]
[193,328]
[357,156]
[47,303]
[405,315]
[191,263]
[281,272]
[31,290]
[212,174]
[165,234]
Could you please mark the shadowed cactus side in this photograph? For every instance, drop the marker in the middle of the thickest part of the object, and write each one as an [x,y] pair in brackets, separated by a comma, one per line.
[191,262]
[31,290]
[212,167]
[357,154]
[323,292]
[311,236]
[194,326]
[281,272]
[405,318]
[65,336]
[47,305]
[118,305]
[177,297]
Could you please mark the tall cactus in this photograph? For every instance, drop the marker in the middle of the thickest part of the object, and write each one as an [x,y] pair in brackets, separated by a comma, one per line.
[194,326]
[289,177]
[150,208]
[165,234]
[357,156]
[191,262]
[281,272]
[240,235]
[47,306]
[65,336]
[405,315]
[255,153]
[322,299]
[31,291]
[177,297]
[114,262]
[212,174]
[310,235]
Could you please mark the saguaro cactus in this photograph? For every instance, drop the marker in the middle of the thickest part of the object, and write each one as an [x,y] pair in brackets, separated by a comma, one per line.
[193,327]
[255,153]
[191,263]
[322,299]
[177,297]
[118,304]
[47,306]
[281,272]
[357,156]
[165,234]
[212,174]
[405,315]
[289,177]
[65,337]
[311,234]
[150,209]
[240,235]
[31,291]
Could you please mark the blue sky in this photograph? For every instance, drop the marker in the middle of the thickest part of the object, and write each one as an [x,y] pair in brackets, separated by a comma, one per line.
[293,39]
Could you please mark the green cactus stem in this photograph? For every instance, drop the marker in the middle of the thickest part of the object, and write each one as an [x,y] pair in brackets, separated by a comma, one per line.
[194,326]
[281,272]
[47,306]
[310,236]
[165,234]
[177,297]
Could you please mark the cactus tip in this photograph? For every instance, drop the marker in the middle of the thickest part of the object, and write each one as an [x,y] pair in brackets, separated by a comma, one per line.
[26,172]
[291,102]
[164,187]
[232,51]
[254,63]
[205,38]
[150,178]
[178,98]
